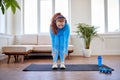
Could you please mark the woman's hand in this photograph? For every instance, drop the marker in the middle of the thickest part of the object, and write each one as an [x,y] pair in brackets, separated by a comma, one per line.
[65,56]
[53,54]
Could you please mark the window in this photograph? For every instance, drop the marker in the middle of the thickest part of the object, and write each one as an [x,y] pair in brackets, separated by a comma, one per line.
[30,17]
[98,14]
[38,14]
[45,15]
[105,15]
[2,22]
[113,15]
[64,8]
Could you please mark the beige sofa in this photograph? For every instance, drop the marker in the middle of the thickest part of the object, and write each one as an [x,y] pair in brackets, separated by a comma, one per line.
[31,44]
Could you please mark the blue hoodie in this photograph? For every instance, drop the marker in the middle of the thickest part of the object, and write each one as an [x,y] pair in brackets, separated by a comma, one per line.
[60,40]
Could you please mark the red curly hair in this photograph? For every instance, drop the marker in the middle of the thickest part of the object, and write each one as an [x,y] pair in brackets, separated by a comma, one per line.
[53,24]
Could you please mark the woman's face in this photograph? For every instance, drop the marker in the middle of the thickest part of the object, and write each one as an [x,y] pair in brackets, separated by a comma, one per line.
[60,24]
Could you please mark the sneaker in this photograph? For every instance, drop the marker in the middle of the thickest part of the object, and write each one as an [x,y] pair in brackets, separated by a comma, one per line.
[54,66]
[62,65]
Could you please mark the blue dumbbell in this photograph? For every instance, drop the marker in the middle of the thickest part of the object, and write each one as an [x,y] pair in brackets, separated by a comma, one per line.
[105,70]
[109,70]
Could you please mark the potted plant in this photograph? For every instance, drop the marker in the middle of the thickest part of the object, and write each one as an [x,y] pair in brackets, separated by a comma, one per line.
[87,32]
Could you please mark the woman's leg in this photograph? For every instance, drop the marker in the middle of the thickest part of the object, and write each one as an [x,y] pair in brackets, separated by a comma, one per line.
[62,56]
[55,58]
[62,60]
[56,54]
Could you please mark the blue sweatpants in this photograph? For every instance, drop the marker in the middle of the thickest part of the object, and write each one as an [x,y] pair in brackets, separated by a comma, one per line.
[59,50]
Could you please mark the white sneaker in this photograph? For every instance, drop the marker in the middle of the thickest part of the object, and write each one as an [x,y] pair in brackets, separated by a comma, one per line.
[54,66]
[62,65]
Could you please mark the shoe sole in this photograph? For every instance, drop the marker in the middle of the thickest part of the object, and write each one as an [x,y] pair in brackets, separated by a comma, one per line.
[55,68]
[62,68]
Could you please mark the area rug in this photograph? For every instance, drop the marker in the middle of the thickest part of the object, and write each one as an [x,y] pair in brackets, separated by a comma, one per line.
[69,67]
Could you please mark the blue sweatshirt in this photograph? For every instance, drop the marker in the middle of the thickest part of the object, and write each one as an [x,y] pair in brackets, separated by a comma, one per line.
[60,40]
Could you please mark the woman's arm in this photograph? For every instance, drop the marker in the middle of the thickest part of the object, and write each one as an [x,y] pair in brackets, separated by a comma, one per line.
[66,39]
[53,41]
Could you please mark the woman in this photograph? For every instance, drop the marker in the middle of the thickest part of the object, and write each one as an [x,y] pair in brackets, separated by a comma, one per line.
[59,31]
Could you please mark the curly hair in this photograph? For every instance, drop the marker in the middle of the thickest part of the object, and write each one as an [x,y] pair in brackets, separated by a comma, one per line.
[53,23]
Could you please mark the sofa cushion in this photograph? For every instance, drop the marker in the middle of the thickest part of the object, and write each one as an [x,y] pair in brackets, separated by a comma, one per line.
[42,48]
[44,40]
[16,48]
[26,39]
[70,47]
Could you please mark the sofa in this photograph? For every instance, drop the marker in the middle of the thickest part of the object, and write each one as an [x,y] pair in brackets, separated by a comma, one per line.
[31,44]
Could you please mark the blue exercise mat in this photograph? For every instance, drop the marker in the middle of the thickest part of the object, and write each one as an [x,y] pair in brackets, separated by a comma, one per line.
[69,67]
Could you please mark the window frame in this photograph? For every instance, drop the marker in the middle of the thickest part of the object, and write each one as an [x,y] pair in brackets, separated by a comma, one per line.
[106,18]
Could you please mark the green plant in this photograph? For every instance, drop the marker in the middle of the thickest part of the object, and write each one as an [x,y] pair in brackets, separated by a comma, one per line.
[87,32]
[5,4]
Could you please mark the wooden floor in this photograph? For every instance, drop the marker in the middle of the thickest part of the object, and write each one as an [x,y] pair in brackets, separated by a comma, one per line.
[13,71]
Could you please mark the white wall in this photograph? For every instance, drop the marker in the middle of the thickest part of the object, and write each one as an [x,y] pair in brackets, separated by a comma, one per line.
[110,45]
[80,12]
[5,40]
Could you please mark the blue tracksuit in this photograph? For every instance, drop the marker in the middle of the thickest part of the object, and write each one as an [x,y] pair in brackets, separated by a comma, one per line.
[60,42]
